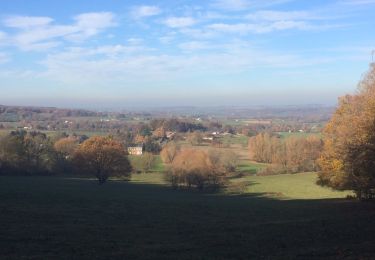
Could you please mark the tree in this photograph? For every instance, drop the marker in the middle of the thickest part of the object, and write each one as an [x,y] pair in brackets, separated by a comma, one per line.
[262,147]
[26,153]
[147,161]
[196,168]
[289,155]
[143,163]
[64,151]
[194,138]
[225,161]
[151,146]
[348,158]
[229,161]
[169,152]
[103,157]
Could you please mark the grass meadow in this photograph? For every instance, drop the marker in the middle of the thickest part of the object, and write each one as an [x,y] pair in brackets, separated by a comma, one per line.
[75,218]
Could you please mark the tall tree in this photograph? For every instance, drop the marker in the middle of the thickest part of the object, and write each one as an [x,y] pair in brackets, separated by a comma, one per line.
[103,157]
[348,159]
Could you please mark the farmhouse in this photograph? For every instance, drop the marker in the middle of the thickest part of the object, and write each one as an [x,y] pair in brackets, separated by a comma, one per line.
[135,150]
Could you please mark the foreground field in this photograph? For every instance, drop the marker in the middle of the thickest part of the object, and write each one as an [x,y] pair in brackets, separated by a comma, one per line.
[65,218]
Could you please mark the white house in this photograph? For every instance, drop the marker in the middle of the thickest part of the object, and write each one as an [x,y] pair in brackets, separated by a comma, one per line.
[135,150]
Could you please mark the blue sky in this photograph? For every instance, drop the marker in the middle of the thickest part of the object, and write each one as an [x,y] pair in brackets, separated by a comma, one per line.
[118,53]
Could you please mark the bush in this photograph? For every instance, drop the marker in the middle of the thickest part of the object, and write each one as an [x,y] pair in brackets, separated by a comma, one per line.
[195,169]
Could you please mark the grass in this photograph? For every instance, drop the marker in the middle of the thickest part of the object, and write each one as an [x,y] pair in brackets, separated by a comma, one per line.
[247,166]
[149,178]
[235,139]
[72,218]
[289,186]
[158,166]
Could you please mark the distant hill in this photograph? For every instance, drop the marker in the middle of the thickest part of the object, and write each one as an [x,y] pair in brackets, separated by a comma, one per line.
[19,113]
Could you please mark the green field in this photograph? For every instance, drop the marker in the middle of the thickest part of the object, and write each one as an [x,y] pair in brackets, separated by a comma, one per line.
[288,186]
[73,218]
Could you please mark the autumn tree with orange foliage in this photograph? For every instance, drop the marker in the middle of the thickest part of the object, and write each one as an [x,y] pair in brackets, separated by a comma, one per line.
[103,157]
[194,168]
[289,155]
[348,159]
[64,150]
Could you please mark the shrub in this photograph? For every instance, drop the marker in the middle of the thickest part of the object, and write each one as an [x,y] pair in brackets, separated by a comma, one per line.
[195,169]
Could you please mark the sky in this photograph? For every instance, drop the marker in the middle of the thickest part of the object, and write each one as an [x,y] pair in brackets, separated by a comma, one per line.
[121,53]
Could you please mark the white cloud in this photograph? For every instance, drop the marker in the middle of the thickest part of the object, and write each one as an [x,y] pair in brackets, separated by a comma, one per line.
[232,28]
[31,39]
[179,22]
[90,24]
[43,34]
[120,65]
[25,22]
[89,21]
[244,28]
[145,11]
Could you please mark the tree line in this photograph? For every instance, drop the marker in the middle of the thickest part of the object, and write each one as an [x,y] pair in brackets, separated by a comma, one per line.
[34,153]
[289,155]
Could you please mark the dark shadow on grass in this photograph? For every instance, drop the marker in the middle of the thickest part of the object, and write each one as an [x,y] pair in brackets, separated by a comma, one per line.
[47,217]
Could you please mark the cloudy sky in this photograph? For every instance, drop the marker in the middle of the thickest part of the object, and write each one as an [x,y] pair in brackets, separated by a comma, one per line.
[166,53]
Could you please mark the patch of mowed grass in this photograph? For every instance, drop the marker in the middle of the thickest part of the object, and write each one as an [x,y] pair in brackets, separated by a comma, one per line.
[66,218]
[290,186]
[159,166]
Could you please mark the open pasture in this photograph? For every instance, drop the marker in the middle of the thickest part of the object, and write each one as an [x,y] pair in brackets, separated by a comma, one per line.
[65,218]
